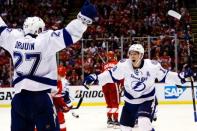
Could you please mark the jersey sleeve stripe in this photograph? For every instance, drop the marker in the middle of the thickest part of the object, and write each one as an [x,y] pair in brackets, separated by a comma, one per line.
[67,38]
[114,79]
[164,79]
[2,28]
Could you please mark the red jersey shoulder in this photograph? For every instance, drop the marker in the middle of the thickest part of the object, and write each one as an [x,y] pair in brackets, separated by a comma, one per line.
[109,65]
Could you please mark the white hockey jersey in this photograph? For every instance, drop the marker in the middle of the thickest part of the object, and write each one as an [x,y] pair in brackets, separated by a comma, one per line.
[34,59]
[139,83]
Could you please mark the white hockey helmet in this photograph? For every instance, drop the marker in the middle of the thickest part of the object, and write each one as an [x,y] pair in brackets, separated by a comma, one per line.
[33,25]
[136,47]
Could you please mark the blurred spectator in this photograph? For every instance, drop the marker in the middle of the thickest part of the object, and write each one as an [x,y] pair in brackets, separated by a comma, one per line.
[165,60]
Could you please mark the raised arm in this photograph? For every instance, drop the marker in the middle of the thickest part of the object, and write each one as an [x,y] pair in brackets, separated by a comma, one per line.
[8,34]
[109,76]
[74,30]
[173,77]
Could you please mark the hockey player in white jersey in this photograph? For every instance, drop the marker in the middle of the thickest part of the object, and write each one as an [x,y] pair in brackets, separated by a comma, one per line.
[139,80]
[33,52]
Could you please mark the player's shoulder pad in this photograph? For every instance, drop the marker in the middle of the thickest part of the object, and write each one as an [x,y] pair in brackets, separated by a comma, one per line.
[154,62]
[114,68]
[20,30]
[15,32]
[53,33]
[122,60]
[46,33]
[119,65]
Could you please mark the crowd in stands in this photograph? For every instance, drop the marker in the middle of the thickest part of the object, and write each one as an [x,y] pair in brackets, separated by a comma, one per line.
[132,20]
[52,11]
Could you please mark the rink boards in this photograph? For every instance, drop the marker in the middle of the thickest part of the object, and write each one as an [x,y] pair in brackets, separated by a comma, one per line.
[167,94]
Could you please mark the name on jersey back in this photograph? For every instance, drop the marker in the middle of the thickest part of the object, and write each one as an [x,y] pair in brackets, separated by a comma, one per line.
[24,46]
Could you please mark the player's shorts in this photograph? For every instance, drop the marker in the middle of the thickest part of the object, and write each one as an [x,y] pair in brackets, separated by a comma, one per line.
[131,112]
[30,109]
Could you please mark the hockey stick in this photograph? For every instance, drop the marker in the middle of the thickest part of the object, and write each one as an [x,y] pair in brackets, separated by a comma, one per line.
[179,86]
[178,16]
[78,105]
[100,57]
[174,14]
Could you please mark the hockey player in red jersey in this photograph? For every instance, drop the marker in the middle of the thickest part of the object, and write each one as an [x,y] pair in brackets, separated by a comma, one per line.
[111,93]
[61,100]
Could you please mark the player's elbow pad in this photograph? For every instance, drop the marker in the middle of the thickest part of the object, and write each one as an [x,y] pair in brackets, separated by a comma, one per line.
[76,28]
[104,78]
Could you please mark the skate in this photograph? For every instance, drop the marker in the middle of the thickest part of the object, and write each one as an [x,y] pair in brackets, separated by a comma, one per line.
[155,115]
[136,123]
[155,118]
[116,124]
[109,123]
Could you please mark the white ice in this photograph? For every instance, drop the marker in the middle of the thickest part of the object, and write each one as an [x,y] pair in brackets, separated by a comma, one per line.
[170,118]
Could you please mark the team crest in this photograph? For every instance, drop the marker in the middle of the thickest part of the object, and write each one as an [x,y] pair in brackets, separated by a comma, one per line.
[136,72]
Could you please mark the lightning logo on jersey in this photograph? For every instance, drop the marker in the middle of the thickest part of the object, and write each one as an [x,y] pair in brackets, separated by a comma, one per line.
[138,86]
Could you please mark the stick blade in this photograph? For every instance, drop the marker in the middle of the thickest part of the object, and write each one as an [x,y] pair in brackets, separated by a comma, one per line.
[174,14]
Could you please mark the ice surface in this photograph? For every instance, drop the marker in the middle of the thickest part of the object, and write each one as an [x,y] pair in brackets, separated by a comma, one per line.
[170,118]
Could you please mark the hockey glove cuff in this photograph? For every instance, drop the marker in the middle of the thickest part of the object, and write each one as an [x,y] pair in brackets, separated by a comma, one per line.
[90,80]
[185,74]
